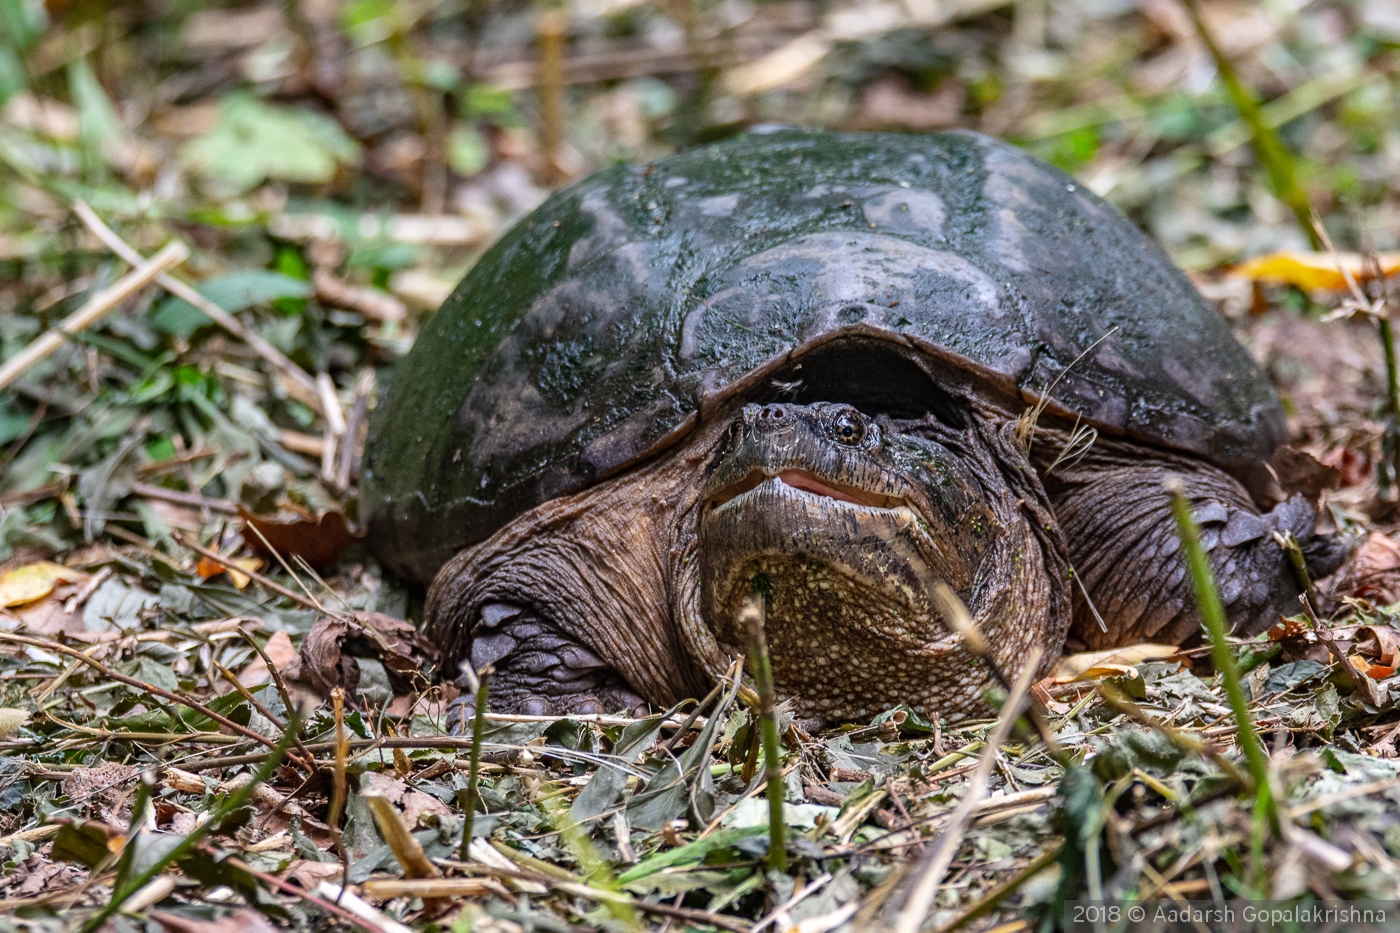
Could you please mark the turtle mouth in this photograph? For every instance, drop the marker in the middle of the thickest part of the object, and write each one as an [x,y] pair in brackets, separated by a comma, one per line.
[804,484]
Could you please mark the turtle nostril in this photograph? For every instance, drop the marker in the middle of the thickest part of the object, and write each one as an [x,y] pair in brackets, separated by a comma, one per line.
[773,413]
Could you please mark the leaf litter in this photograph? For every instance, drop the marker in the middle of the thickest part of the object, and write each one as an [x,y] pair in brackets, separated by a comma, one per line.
[182,580]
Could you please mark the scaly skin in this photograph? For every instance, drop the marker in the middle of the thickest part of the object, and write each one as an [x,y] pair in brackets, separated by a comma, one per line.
[628,592]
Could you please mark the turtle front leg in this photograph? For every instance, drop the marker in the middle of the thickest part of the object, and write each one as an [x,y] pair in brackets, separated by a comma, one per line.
[1116,514]
[540,670]
[571,604]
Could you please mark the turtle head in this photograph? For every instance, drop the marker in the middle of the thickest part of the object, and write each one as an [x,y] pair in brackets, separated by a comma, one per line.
[842,525]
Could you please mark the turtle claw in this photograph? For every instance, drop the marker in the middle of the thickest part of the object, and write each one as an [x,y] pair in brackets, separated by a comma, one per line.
[540,670]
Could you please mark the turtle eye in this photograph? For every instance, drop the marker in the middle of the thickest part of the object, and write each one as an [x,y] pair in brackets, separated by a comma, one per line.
[849,427]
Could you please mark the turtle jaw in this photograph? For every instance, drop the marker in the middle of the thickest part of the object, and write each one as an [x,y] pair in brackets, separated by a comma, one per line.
[846,587]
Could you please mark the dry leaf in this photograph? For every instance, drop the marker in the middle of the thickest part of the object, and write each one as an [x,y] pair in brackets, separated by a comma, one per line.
[279,650]
[1380,642]
[207,568]
[11,720]
[1115,662]
[1312,271]
[317,541]
[323,664]
[34,581]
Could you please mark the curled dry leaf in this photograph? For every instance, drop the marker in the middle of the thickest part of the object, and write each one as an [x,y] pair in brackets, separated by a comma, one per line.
[328,655]
[34,581]
[1299,471]
[1115,662]
[1374,573]
[316,540]
[1373,671]
[1380,642]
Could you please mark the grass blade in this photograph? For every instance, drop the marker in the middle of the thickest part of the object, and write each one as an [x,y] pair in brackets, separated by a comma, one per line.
[1213,616]
[751,621]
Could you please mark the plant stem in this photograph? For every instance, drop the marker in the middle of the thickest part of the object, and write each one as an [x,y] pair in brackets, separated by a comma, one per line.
[751,620]
[474,773]
[1390,442]
[234,801]
[1213,616]
[1278,161]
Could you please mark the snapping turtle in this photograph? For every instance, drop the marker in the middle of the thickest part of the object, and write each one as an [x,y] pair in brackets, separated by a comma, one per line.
[834,371]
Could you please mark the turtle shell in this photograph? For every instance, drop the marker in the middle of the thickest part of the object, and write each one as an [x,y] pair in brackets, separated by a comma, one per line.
[630,305]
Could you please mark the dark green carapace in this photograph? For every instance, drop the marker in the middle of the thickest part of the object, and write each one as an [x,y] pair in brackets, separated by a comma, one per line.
[614,318]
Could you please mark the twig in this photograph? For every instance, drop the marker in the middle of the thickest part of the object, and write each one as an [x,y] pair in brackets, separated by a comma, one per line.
[751,621]
[180,290]
[93,310]
[988,902]
[106,671]
[921,897]
[186,845]
[551,28]
[335,424]
[345,470]
[149,491]
[899,805]
[227,563]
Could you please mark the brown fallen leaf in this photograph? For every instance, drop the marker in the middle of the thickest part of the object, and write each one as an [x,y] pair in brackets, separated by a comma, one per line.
[1115,662]
[414,803]
[207,568]
[324,663]
[1380,642]
[1299,471]
[50,616]
[98,789]
[1374,573]
[34,581]
[318,541]
[279,650]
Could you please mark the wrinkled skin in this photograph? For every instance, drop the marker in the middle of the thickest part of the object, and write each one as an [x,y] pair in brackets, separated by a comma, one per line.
[842,523]
[844,530]
[626,595]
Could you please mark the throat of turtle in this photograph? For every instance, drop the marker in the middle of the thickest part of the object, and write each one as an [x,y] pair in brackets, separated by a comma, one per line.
[842,648]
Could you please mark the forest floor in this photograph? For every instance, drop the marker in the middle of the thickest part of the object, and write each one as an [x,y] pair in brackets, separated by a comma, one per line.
[180,563]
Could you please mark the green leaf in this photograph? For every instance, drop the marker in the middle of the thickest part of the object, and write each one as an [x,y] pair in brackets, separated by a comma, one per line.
[466,150]
[232,292]
[12,76]
[98,123]
[484,100]
[24,20]
[602,789]
[84,843]
[256,140]
[692,854]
